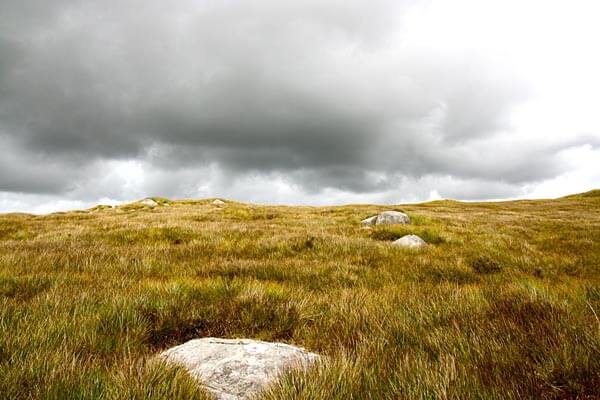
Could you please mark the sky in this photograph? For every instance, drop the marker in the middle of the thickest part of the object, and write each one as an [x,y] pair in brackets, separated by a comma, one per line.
[296,102]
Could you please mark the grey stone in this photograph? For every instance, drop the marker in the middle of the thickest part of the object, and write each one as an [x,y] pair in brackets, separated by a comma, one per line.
[410,241]
[387,218]
[392,217]
[149,202]
[237,369]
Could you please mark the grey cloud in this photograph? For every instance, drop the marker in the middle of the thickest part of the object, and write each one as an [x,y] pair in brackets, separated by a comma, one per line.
[319,92]
[25,172]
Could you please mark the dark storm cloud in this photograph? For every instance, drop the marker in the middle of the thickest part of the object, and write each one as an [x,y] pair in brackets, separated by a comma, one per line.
[26,172]
[326,93]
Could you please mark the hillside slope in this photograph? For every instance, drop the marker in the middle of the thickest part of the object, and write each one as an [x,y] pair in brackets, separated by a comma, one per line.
[505,303]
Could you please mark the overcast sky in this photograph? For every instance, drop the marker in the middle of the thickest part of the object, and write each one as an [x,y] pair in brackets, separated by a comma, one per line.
[312,101]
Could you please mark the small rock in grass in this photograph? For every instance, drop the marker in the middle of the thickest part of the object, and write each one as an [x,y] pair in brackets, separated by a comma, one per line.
[387,218]
[149,202]
[218,202]
[392,217]
[237,369]
[410,242]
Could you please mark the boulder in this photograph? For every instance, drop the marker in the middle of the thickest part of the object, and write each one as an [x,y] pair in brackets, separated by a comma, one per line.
[387,218]
[410,242]
[149,202]
[218,202]
[392,217]
[236,369]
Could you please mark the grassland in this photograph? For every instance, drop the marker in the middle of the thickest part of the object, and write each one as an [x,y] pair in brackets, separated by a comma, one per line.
[504,304]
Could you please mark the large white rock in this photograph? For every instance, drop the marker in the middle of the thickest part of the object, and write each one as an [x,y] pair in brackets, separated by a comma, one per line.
[237,369]
[218,202]
[410,241]
[387,218]
[149,202]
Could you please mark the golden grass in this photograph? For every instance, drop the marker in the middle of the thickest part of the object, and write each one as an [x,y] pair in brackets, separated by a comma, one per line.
[503,305]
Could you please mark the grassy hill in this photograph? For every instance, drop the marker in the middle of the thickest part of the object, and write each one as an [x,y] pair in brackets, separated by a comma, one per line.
[504,304]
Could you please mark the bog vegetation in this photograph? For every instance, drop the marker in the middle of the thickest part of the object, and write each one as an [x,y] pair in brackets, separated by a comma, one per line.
[504,303]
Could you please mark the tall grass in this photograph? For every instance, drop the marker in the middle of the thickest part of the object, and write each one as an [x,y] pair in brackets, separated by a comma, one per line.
[504,304]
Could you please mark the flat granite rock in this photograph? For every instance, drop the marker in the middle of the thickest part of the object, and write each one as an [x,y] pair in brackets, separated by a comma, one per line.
[149,202]
[237,369]
[410,241]
[392,217]
[387,218]
[218,202]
